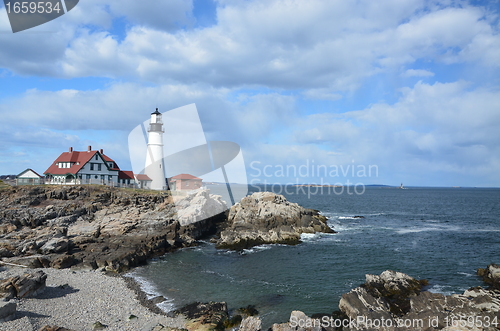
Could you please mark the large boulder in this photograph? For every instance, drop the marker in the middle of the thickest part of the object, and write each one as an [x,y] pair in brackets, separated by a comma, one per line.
[55,245]
[251,323]
[24,286]
[266,218]
[198,206]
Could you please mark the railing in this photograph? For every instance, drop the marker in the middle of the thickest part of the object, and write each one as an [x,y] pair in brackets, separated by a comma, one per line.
[83,181]
[90,181]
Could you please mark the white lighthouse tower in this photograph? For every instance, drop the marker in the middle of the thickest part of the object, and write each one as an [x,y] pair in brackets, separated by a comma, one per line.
[154,158]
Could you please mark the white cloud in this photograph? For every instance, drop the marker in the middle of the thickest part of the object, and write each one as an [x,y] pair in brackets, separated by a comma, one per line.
[316,45]
[432,128]
[417,73]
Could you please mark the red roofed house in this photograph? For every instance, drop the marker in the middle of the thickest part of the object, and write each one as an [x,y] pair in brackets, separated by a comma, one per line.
[126,178]
[184,182]
[91,167]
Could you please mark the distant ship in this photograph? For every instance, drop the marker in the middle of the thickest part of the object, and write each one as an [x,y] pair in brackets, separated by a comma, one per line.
[402,187]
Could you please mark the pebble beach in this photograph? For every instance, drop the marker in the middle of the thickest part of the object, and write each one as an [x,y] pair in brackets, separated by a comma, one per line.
[77,299]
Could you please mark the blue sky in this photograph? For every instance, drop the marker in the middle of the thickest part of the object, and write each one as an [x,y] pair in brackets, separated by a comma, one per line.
[411,87]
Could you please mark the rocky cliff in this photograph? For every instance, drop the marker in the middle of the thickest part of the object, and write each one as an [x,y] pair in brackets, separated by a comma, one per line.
[268,218]
[99,226]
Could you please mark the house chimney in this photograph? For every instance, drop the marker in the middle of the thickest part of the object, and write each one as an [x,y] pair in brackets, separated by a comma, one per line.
[71,149]
[102,151]
[89,148]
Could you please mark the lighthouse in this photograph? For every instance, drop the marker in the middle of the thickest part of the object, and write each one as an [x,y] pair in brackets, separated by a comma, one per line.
[154,168]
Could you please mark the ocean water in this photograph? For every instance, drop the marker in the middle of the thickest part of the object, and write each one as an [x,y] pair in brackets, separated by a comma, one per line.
[441,234]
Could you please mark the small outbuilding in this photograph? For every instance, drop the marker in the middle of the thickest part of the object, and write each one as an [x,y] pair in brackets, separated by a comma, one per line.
[184,182]
[143,181]
[29,177]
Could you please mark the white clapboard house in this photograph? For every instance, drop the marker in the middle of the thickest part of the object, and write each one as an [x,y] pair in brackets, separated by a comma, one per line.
[29,177]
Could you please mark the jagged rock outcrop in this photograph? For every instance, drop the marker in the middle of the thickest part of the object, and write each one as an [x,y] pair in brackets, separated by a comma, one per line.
[204,316]
[299,322]
[100,226]
[395,301]
[491,275]
[251,323]
[24,286]
[265,218]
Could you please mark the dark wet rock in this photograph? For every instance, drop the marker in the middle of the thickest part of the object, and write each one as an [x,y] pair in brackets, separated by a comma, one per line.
[266,218]
[232,321]
[249,310]
[158,299]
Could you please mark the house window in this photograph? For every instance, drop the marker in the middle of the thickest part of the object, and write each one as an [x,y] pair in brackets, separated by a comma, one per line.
[96,157]
[88,176]
[91,166]
[111,165]
[99,167]
[96,176]
[102,177]
[110,178]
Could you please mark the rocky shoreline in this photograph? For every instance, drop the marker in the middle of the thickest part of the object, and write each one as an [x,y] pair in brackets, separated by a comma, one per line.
[117,229]
[95,299]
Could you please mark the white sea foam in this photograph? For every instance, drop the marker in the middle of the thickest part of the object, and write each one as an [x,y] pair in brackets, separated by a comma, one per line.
[257,249]
[466,274]
[416,229]
[146,286]
[309,236]
[167,305]
[443,289]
